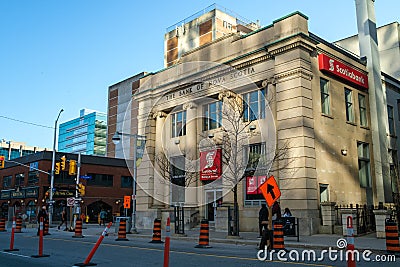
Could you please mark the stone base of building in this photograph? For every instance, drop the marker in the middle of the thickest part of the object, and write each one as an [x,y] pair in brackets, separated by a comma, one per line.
[145,219]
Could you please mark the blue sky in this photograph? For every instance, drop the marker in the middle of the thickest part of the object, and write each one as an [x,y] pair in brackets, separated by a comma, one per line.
[65,53]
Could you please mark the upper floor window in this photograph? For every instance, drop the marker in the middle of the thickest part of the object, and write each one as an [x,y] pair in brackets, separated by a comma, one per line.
[7,181]
[348,97]
[100,180]
[254,105]
[390,120]
[254,155]
[364,173]
[325,98]
[212,116]
[363,110]
[126,181]
[33,177]
[19,179]
[178,124]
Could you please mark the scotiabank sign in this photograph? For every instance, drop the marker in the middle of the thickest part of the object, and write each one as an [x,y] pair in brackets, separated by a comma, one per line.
[210,165]
[341,70]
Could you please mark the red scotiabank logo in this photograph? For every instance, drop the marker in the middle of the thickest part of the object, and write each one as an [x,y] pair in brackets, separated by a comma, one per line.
[341,70]
[210,164]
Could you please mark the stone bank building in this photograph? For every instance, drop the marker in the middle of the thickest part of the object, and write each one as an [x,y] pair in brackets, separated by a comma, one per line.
[314,95]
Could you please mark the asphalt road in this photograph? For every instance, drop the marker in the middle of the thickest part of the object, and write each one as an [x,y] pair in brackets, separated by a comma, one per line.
[67,251]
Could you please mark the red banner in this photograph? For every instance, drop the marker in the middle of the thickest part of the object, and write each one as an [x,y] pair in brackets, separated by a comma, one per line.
[210,164]
[252,187]
[261,180]
[341,70]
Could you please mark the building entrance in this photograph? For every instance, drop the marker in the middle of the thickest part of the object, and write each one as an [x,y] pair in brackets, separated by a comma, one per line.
[213,200]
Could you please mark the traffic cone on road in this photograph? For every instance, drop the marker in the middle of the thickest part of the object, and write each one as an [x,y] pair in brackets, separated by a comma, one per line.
[122,231]
[2,225]
[78,229]
[156,232]
[204,235]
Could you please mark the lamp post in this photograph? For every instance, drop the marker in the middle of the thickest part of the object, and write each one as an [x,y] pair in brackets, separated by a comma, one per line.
[116,139]
[53,163]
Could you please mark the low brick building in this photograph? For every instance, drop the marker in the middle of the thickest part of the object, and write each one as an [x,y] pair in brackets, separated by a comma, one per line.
[25,185]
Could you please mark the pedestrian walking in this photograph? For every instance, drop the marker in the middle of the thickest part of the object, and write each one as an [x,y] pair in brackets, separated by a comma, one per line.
[42,214]
[63,220]
[103,216]
[263,219]
[276,211]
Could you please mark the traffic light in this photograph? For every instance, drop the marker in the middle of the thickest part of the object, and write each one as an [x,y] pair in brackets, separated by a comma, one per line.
[72,167]
[81,189]
[63,159]
[2,160]
[57,168]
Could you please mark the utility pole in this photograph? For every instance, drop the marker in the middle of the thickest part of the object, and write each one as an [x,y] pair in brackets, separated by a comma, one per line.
[77,207]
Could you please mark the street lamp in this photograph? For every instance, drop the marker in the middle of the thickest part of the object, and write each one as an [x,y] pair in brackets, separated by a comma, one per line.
[116,139]
[53,163]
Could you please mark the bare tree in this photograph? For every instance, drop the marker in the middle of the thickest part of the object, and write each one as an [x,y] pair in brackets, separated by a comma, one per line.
[237,159]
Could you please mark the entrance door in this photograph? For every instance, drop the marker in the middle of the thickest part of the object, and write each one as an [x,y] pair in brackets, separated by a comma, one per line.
[213,200]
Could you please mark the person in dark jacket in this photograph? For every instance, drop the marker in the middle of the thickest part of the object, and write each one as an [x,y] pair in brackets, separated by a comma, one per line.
[263,218]
[42,214]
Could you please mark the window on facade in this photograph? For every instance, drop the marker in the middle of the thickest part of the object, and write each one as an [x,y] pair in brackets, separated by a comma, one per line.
[390,120]
[254,105]
[254,155]
[325,99]
[364,173]
[178,124]
[212,116]
[323,193]
[7,181]
[363,110]
[19,179]
[126,181]
[348,97]
[33,177]
[393,161]
[100,180]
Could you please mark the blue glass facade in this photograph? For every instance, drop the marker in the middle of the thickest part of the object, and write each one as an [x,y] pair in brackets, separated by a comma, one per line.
[86,134]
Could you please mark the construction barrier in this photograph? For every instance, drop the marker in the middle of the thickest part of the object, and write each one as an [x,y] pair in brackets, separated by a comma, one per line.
[156,232]
[392,236]
[12,237]
[278,241]
[96,246]
[122,231]
[18,228]
[46,227]
[40,254]
[78,229]
[204,235]
[3,225]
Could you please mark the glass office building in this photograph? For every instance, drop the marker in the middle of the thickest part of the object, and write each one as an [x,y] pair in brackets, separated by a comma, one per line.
[12,149]
[85,134]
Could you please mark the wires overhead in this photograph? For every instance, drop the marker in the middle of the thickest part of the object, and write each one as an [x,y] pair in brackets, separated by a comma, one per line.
[26,122]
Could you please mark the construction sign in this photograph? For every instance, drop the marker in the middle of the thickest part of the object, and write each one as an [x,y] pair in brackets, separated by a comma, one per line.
[127,202]
[270,191]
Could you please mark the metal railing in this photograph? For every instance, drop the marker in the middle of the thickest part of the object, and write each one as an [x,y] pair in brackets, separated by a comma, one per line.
[365,218]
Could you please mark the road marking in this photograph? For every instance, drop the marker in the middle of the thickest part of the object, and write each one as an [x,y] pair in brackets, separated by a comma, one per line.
[195,253]
[14,254]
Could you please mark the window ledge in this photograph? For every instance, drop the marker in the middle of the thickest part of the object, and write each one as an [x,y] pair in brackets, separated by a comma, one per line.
[364,127]
[327,115]
[351,123]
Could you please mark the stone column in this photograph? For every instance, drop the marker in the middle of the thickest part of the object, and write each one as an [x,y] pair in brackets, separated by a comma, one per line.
[328,217]
[380,217]
[191,154]
[160,182]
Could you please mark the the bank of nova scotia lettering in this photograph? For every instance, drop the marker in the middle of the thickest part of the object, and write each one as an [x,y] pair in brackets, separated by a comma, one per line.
[236,74]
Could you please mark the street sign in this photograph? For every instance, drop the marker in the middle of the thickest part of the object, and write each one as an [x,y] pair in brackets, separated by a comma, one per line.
[127,202]
[270,191]
[85,177]
[70,201]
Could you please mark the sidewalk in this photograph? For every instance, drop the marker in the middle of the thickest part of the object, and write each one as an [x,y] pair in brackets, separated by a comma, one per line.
[319,241]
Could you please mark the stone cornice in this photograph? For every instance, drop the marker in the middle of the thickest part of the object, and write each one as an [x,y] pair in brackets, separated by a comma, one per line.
[299,72]
[189,105]
[159,114]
